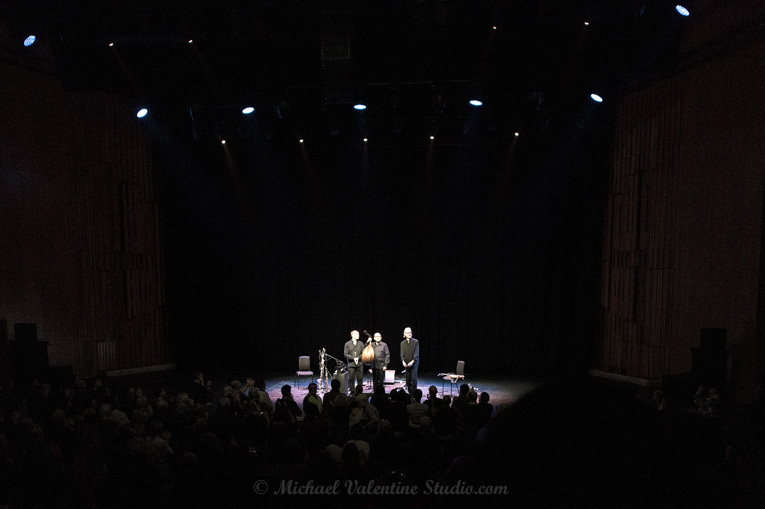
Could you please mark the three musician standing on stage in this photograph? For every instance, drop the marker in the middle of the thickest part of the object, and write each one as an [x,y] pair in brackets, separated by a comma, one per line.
[410,359]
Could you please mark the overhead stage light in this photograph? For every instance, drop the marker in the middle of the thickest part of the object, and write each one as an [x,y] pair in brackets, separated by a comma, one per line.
[682,10]
[142,113]
[596,98]
[248,110]
[30,40]
[476,102]
[360,106]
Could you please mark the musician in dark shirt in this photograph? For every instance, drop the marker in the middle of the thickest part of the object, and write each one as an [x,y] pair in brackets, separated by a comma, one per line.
[410,358]
[382,359]
[352,351]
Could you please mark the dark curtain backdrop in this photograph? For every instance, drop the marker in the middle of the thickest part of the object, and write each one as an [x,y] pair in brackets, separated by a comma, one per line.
[490,251]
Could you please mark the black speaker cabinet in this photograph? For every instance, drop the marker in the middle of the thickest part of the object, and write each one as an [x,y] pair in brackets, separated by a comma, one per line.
[25,332]
[343,377]
[29,359]
[710,361]
[714,340]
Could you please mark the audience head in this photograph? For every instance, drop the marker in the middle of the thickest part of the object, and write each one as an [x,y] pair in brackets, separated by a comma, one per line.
[312,388]
[335,384]
[484,397]
[286,391]
[361,400]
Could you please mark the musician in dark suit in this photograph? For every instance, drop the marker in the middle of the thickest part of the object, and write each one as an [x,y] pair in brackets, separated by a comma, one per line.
[410,358]
[352,352]
[382,359]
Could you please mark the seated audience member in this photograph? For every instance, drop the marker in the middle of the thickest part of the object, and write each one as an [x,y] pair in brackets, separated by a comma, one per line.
[198,390]
[485,410]
[285,409]
[433,400]
[445,420]
[381,401]
[659,401]
[707,402]
[329,397]
[159,451]
[468,417]
[416,410]
[461,398]
[361,446]
[263,394]
[312,397]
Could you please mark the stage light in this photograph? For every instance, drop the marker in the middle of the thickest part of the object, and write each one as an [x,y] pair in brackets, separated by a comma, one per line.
[682,10]
[476,102]
[517,134]
[222,142]
[432,137]
[111,44]
[494,28]
[300,140]
[586,23]
[191,40]
[360,106]
[596,98]
[248,110]
[29,41]
[142,113]
[365,140]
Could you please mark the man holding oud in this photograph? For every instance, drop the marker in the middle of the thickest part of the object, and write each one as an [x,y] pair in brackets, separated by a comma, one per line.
[382,359]
[410,358]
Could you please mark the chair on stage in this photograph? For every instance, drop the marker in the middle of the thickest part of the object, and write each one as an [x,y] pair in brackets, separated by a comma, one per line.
[453,378]
[304,369]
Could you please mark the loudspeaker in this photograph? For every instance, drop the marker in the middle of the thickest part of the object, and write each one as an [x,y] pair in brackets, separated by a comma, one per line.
[710,361]
[343,377]
[29,359]
[714,340]
[25,332]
